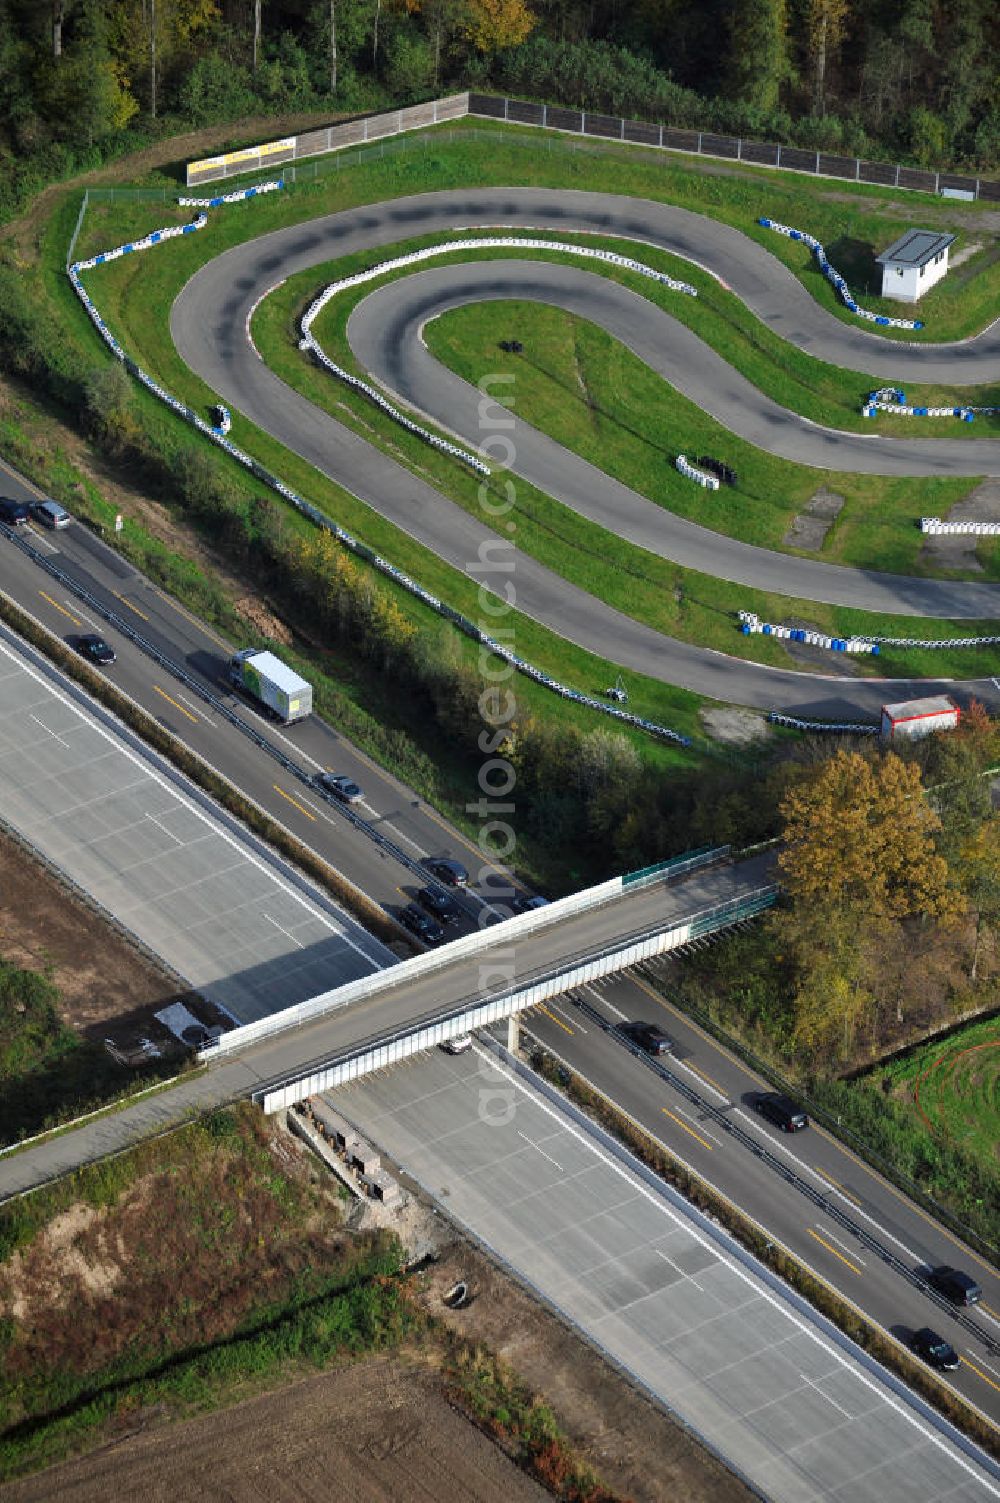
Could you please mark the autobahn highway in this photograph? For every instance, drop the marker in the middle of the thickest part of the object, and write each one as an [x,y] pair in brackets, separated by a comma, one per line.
[580,1030]
[394,820]
[414,829]
[563,1028]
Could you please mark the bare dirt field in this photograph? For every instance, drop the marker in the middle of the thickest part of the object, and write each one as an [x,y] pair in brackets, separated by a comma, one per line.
[107,986]
[380,1431]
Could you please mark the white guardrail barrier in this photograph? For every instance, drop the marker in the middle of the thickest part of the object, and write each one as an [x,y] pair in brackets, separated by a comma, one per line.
[891,399]
[310,343]
[218,434]
[833,276]
[936,527]
[752,625]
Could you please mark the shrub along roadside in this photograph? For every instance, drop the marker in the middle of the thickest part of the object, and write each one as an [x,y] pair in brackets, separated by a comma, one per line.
[491,1394]
[48,1073]
[755,1239]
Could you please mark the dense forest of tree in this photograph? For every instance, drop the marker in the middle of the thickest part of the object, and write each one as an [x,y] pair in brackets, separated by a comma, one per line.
[912,79]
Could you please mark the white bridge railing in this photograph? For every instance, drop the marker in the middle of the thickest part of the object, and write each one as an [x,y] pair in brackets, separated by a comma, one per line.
[426,1033]
[459,949]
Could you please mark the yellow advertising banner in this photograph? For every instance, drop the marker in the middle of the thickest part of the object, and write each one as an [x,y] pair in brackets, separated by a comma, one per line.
[248,154]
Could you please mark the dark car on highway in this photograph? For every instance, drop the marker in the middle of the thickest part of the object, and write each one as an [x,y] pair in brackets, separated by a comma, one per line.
[935,1350]
[451,873]
[14,513]
[523,902]
[95,649]
[955,1285]
[441,904]
[782,1111]
[421,924]
[648,1037]
[340,785]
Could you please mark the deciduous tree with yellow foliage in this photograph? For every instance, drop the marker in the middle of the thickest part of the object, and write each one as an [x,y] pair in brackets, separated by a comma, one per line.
[493,24]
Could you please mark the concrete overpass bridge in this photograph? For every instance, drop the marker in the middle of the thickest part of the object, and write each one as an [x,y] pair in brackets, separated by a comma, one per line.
[501,971]
[476,980]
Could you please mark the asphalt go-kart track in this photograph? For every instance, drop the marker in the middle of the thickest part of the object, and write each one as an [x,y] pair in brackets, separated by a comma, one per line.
[211,328]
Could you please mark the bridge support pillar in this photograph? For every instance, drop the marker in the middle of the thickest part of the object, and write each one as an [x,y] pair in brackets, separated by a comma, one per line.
[513,1033]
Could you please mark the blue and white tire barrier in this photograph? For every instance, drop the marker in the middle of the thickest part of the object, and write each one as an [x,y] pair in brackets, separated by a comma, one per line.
[752,625]
[156,237]
[708,482]
[891,399]
[361,550]
[310,343]
[840,727]
[937,528]
[225,421]
[232,198]
[836,280]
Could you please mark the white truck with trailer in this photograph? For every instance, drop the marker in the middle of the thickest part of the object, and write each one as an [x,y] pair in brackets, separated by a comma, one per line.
[266,679]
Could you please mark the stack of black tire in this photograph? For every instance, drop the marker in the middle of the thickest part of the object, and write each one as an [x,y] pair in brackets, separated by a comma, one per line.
[717,468]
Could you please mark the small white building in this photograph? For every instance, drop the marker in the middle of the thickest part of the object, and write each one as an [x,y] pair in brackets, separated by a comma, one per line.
[911,718]
[913,263]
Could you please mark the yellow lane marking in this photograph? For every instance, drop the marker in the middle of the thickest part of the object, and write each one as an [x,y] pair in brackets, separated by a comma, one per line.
[131,606]
[558,1021]
[902,1196]
[989,1310]
[840,1187]
[980,1374]
[62,609]
[164,695]
[703,1141]
[830,1248]
[818,1127]
[301,807]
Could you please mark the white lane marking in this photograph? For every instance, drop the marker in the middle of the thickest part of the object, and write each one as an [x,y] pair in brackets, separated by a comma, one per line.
[588,987]
[162,827]
[773,1141]
[679,1270]
[753,1280]
[537,1149]
[834,1238]
[387,824]
[40,541]
[701,1126]
[49,732]
[192,704]
[281,928]
[705,1084]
